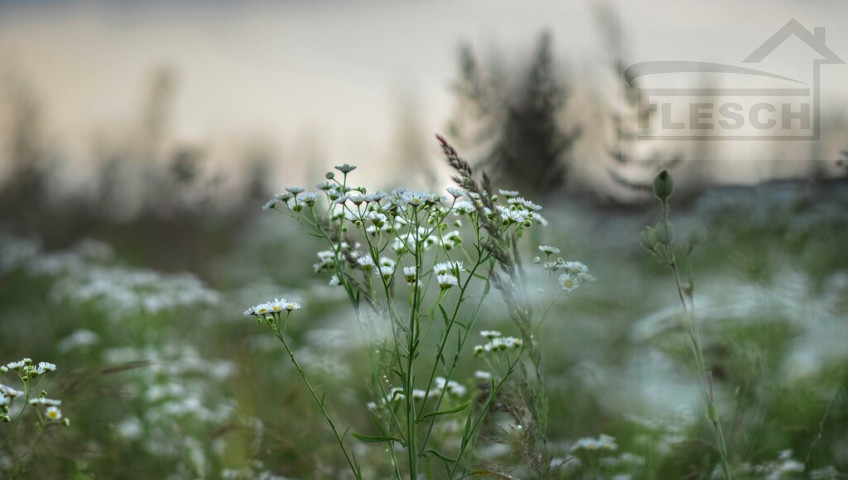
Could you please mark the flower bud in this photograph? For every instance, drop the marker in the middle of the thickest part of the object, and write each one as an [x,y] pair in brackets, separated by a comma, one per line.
[663,186]
[648,238]
[664,232]
[712,412]
[330,175]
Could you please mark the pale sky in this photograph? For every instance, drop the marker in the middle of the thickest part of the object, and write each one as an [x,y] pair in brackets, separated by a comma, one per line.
[289,72]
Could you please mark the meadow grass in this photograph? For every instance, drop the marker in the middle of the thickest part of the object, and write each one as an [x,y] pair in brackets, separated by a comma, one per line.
[162,377]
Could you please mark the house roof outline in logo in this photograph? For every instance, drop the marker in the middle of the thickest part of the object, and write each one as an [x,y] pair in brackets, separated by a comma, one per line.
[814,40]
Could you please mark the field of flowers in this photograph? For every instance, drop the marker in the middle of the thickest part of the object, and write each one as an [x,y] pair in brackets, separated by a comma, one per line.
[139,373]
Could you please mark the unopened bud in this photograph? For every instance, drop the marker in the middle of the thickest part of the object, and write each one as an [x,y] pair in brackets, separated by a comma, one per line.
[663,186]
[664,232]
[712,412]
[648,238]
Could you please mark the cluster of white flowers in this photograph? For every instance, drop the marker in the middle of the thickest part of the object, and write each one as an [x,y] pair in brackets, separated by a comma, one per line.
[273,307]
[573,274]
[398,212]
[783,467]
[176,393]
[26,368]
[497,343]
[28,372]
[124,292]
[603,442]
[441,384]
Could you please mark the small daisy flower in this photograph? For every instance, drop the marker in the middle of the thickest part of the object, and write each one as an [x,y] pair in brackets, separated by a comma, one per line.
[490,334]
[290,306]
[7,391]
[448,267]
[45,401]
[410,274]
[548,250]
[270,204]
[509,193]
[527,204]
[375,197]
[509,215]
[309,198]
[295,190]
[335,280]
[278,305]
[569,281]
[415,198]
[44,367]
[16,365]
[464,208]
[262,309]
[356,198]
[447,281]
[346,168]
[456,192]
[53,413]
[366,262]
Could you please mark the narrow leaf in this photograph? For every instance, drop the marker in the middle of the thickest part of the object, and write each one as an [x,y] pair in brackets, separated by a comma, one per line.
[448,410]
[375,439]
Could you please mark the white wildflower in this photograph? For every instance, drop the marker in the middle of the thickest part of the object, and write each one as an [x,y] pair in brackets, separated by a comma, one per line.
[346,168]
[366,262]
[410,273]
[415,198]
[44,367]
[444,268]
[53,413]
[509,193]
[7,391]
[447,281]
[568,281]
[456,192]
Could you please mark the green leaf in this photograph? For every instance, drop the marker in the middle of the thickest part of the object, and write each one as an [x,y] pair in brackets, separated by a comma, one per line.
[441,456]
[376,439]
[444,314]
[448,410]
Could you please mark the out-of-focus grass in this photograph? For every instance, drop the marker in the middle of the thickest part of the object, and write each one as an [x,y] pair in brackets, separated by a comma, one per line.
[183,386]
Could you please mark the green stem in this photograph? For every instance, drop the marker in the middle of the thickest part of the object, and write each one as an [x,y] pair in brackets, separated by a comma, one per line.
[350,461]
[695,343]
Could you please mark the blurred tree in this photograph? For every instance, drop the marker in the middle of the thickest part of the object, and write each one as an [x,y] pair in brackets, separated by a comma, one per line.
[635,162]
[515,131]
[26,150]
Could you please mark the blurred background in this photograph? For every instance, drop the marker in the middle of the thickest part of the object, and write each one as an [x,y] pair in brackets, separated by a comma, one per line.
[138,140]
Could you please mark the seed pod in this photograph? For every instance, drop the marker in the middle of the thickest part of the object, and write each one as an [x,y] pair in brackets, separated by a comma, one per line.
[648,238]
[663,186]
[665,232]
